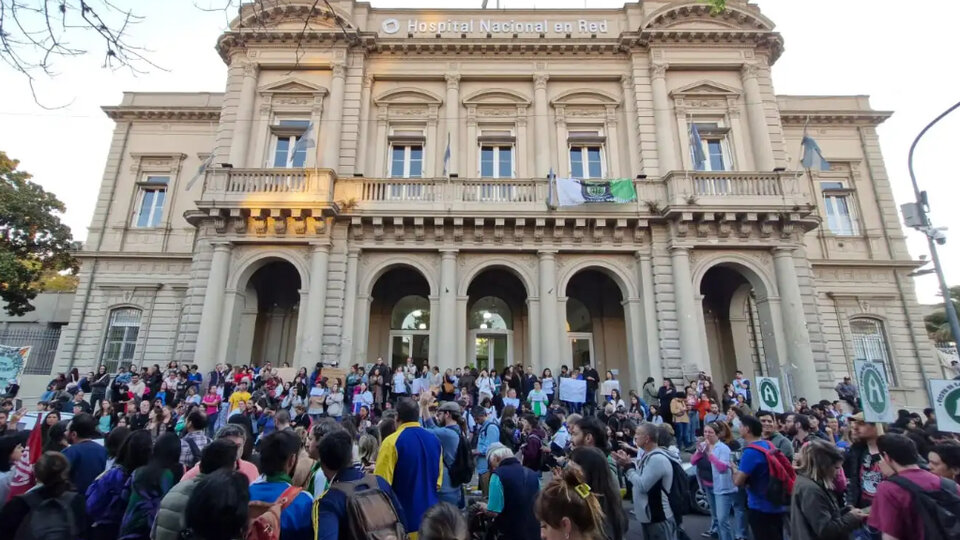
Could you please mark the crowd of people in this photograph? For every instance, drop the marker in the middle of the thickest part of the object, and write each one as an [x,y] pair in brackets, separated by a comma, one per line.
[387,452]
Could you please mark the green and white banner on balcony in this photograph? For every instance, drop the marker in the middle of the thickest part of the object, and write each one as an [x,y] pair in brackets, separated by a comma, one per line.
[573,191]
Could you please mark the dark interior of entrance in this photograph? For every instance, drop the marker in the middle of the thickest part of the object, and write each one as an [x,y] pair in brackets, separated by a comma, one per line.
[400,317]
[497,319]
[277,286]
[596,328]
[731,322]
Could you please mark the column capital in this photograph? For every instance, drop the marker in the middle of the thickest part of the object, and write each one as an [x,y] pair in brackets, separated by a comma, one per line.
[368,80]
[219,245]
[540,81]
[783,251]
[750,70]
[684,250]
[453,80]
[658,70]
[316,247]
[353,252]
[626,81]
[642,256]
[339,70]
[250,69]
[449,252]
[547,254]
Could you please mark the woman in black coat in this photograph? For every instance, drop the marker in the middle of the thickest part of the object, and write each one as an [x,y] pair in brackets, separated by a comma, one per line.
[666,394]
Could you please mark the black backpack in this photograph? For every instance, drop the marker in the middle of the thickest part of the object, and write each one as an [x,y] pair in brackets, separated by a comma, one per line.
[370,512]
[461,470]
[939,510]
[679,494]
[48,519]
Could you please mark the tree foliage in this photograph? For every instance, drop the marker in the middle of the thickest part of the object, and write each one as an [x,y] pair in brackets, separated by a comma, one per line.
[937,324]
[33,240]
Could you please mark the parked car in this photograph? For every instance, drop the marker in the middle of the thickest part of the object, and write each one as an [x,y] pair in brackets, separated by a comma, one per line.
[698,502]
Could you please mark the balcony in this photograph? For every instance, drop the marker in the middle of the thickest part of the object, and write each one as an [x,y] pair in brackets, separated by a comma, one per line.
[734,191]
[256,188]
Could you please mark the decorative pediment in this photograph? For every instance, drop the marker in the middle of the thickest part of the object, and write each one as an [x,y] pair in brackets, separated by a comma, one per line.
[585,96]
[272,14]
[407,96]
[705,88]
[700,16]
[292,85]
[496,96]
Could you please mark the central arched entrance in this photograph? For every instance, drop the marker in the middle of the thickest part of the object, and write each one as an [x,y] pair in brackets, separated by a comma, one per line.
[400,317]
[596,325]
[270,314]
[497,320]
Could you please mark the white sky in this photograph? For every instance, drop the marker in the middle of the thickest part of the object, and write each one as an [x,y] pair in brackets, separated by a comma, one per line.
[900,53]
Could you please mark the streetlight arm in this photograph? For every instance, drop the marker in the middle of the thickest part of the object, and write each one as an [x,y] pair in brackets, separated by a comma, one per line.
[913,178]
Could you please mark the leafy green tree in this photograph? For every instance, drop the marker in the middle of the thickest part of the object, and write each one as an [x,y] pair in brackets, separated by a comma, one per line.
[717,6]
[33,240]
[938,327]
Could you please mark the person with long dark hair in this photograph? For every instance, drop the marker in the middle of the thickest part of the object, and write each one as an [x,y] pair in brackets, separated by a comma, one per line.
[218,507]
[52,471]
[593,463]
[105,504]
[148,485]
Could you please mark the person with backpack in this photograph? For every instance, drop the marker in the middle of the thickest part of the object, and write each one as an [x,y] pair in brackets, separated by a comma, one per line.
[195,440]
[87,458]
[278,459]
[911,503]
[218,508]
[356,505]
[105,504]
[171,518]
[51,511]
[487,434]
[768,476]
[458,463]
[513,494]
[653,483]
[147,486]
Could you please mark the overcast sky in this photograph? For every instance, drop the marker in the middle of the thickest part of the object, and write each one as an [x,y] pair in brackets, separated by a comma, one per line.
[895,52]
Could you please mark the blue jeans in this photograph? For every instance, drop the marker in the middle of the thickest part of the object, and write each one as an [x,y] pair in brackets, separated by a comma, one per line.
[711,500]
[681,429]
[724,505]
[740,529]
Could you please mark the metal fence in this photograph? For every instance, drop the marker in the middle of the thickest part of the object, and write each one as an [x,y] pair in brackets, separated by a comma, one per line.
[43,342]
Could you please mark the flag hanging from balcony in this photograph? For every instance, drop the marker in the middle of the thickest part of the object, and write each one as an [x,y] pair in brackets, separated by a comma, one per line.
[572,191]
[696,148]
[203,167]
[812,157]
[446,157]
[303,142]
[552,202]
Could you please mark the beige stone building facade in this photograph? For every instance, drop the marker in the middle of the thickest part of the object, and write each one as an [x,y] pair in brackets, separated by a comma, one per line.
[372,242]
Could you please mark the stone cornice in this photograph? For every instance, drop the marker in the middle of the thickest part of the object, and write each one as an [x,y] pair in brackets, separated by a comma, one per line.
[183,114]
[870,118]
[903,264]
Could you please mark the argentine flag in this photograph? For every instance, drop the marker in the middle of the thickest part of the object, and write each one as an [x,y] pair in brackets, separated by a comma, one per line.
[812,157]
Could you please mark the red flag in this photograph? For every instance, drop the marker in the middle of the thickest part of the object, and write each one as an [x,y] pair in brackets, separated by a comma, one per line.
[23,478]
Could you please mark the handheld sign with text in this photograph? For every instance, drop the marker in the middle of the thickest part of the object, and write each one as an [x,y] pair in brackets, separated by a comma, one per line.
[874,391]
[771,399]
[946,404]
[573,390]
[12,360]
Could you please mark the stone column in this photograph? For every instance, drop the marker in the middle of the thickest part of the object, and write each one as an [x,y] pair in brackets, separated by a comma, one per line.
[549,329]
[349,307]
[795,335]
[311,339]
[629,110]
[334,117]
[452,125]
[366,124]
[541,125]
[651,330]
[209,331]
[633,319]
[243,124]
[361,329]
[614,165]
[759,131]
[663,118]
[447,319]
[691,343]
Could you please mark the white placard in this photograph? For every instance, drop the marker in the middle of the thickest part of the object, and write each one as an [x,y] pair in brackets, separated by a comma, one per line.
[946,404]
[573,390]
[874,391]
[771,398]
[608,386]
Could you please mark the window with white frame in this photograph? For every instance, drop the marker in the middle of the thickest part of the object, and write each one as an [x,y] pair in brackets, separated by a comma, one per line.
[715,148]
[406,161]
[286,133]
[120,342]
[838,207]
[870,343]
[151,196]
[587,153]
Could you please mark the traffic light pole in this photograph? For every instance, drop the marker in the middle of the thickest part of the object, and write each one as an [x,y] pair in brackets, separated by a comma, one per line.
[932,240]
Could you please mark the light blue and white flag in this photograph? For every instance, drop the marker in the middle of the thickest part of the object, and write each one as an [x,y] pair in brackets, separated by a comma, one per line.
[446,156]
[552,202]
[303,142]
[812,157]
[202,169]
[696,148]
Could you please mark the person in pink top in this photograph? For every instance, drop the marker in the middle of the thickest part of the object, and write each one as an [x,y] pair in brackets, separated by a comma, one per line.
[238,436]
[893,512]
[211,403]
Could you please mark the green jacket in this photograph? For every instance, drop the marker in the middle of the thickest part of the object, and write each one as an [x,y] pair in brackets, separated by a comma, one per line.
[171,518]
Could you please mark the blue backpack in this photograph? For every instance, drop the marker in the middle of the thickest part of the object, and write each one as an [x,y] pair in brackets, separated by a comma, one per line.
[105,502]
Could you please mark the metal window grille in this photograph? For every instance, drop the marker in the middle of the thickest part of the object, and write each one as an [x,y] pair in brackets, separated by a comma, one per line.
[42,342]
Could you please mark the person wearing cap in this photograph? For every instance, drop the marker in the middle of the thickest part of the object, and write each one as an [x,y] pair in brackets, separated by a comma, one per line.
[862,463]
[444,422]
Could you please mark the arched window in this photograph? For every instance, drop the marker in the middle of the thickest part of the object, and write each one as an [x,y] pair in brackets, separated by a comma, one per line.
[491,313]
[411,313]
[578,316]
[120,343]
[870,343]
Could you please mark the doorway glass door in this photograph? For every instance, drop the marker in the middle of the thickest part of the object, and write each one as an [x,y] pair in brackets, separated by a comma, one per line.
[406,345]
[492,351]
[581,347]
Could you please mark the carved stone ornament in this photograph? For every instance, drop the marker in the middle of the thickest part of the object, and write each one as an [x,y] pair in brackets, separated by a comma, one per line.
[293,100]
[478,229]
[240,225]
[409,112]
[378,228]
[338,70]
[320,226]
[498,230]
[220,224]
[496,111]
[584,112]
[658,70]
[280,224]
[558,225]
[538,227]
[750,70]
[299,225]
[418,230]
[518,227]
[540,81]
[398,231]
[260,225]
[438,229]
[453,80]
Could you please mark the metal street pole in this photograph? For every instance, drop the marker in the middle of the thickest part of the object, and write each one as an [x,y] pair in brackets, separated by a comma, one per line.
[932,238]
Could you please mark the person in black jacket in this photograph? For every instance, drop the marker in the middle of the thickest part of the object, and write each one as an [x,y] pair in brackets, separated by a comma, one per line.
[52,471]
[98,386]
[861,465]
[666,394]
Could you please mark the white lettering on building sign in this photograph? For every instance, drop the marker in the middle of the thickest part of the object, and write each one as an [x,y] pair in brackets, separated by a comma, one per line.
[487,26]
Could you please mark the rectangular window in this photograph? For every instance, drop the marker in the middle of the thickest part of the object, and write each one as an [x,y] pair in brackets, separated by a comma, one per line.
[151,194]
[286,134]
[120,343]
[496,162]
[713,140]
[406,161]
[837,203]
[870,343]
[586,161]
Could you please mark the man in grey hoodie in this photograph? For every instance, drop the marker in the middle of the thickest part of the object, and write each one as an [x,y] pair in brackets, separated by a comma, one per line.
[770,433]
[652,479]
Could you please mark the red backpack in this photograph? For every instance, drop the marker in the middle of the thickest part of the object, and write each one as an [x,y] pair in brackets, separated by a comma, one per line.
[263,521]
[782,475]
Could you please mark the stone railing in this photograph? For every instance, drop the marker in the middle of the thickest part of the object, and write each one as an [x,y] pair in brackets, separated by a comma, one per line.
[734,189]
[259,186]
[442,194]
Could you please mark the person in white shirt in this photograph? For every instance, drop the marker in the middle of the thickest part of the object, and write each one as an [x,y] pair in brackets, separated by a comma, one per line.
[484,386]
[399,382]
[137,386]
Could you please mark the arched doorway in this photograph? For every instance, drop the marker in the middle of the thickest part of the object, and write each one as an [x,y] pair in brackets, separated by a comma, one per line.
[735,314]
[271,313]
[497,320]
[596,325]
[400,317]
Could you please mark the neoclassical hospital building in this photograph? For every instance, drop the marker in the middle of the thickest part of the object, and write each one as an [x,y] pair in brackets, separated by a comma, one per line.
[416,220]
